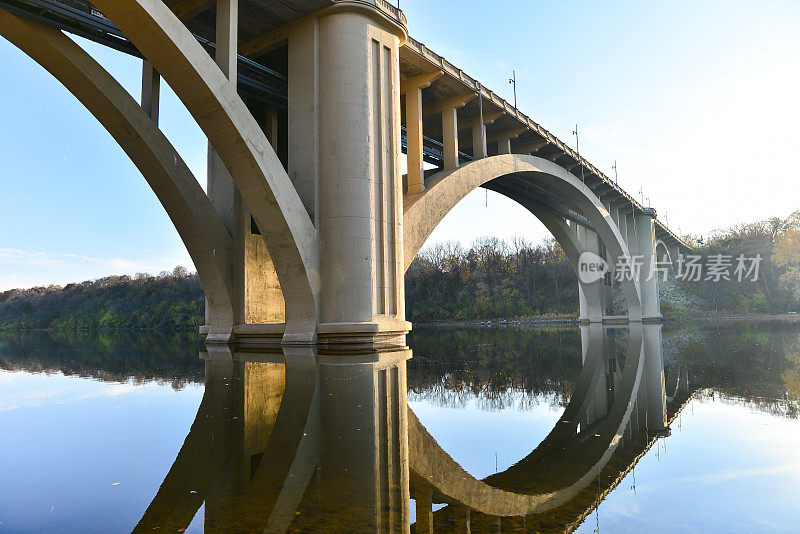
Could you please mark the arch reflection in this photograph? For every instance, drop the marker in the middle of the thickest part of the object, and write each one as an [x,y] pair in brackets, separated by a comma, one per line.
[306,441]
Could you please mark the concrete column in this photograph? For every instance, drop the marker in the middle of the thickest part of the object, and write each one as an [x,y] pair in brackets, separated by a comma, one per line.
[304,112]
[450,138]
[270,126]
[504,138]
[461,519]
[646,245]
[654,378]
[151,90]
[416,173]
[227,33]
[360,209]
[592,244]
[632,242]
[221,189]
[504,145]
[423,494]
[363,466]
[590,312]
[621,224]
[478,138]
[412,88]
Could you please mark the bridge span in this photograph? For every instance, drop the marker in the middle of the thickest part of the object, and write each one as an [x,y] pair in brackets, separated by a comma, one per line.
[308,225]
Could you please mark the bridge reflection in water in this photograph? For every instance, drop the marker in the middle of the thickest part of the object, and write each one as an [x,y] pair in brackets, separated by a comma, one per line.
[308,441]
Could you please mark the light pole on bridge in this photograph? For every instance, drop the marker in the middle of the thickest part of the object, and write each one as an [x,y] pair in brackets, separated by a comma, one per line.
[578,150]
[513,82]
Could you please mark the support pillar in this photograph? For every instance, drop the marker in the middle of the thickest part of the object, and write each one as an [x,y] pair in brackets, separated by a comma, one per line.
[461,519]
[591,311]
[478,138]
[360,220]
[221,190]
[416,173]
[504,139]
[412,88]
[646,248]
[423,495]
[151,90]
[504,145]
[450,138]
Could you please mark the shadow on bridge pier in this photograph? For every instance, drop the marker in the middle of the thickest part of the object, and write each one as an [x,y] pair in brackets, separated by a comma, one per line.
[297,439]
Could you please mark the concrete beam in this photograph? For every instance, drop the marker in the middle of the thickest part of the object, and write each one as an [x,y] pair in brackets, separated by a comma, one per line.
[554,157]
[489,118]
[420,82]
[265,43]
[527,148]
[454,102]
[188,9]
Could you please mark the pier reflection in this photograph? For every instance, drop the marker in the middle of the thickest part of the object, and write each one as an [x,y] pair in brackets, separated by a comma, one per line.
[307,441]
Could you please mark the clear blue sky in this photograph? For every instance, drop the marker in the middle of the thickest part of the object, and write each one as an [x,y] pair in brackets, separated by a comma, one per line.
[696,100]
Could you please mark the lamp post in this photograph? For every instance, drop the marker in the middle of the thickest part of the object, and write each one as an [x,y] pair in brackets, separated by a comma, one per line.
[578,150]
[513,82]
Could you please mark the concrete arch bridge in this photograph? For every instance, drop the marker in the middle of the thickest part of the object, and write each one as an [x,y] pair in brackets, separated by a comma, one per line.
[307,225]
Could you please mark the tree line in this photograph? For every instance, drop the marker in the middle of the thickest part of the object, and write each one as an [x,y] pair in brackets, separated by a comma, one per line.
[492,279]
[172,300]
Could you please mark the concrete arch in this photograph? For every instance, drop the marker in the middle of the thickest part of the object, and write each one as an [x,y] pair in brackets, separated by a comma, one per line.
[663,254]
[185,202]
[570,462]
[423,212]
[284,222]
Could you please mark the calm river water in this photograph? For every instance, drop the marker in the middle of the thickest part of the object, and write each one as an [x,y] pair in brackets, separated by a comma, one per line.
[117,432]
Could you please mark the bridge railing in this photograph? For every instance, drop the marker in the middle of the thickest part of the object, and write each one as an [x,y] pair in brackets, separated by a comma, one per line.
[396,12]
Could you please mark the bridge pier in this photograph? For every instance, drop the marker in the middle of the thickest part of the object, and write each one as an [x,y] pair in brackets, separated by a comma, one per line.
[354,136]
[344,162]
[646,249]
[591,308]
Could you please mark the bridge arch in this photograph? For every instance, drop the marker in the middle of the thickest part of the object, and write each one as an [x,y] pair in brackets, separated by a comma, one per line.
[572,460]
[189,208]
[423,212]
[662,252]
[285,225]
